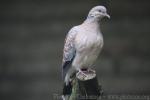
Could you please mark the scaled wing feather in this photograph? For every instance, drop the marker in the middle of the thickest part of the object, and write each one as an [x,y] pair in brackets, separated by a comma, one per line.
[69,52]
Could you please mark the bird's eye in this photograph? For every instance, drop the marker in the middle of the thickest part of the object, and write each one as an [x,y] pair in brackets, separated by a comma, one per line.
[99,10]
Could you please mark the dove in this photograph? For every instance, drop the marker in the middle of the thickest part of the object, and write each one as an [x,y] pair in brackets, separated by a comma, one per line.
[82,46]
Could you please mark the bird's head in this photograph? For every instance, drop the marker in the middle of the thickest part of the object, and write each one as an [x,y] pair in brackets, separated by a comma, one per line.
[98,12]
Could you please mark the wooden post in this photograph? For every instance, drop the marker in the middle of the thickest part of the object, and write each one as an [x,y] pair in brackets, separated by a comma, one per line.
[85,87]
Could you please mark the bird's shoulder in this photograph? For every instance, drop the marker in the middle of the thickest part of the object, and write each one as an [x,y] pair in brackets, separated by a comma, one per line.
[69,48]
[74,30]
[71,35]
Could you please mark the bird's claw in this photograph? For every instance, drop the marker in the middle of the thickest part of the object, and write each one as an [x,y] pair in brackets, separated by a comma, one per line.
[90,70]
[81,72]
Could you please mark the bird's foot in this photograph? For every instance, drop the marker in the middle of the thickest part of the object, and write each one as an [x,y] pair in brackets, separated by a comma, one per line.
[91,70]
[81,72]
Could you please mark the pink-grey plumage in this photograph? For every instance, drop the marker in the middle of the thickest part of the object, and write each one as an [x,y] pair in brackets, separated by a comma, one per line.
[83,44]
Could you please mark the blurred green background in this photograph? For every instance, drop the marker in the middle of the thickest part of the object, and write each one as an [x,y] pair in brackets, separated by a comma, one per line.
[32,34]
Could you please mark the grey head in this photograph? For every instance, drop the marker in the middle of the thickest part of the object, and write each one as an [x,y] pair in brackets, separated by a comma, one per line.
[98,12]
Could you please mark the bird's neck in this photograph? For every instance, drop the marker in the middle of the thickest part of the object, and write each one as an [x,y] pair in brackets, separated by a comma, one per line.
[92,20]
[94,23]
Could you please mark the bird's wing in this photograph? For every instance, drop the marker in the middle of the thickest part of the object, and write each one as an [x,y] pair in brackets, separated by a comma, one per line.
[69,51]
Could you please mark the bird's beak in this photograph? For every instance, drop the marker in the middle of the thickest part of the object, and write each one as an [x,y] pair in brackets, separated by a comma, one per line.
[107,16]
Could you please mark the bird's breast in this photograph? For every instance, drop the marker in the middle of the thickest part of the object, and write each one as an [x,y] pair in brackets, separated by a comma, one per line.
[89,41]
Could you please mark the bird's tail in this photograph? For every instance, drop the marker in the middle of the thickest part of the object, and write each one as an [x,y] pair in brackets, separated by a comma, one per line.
[67,86]
[67,90]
